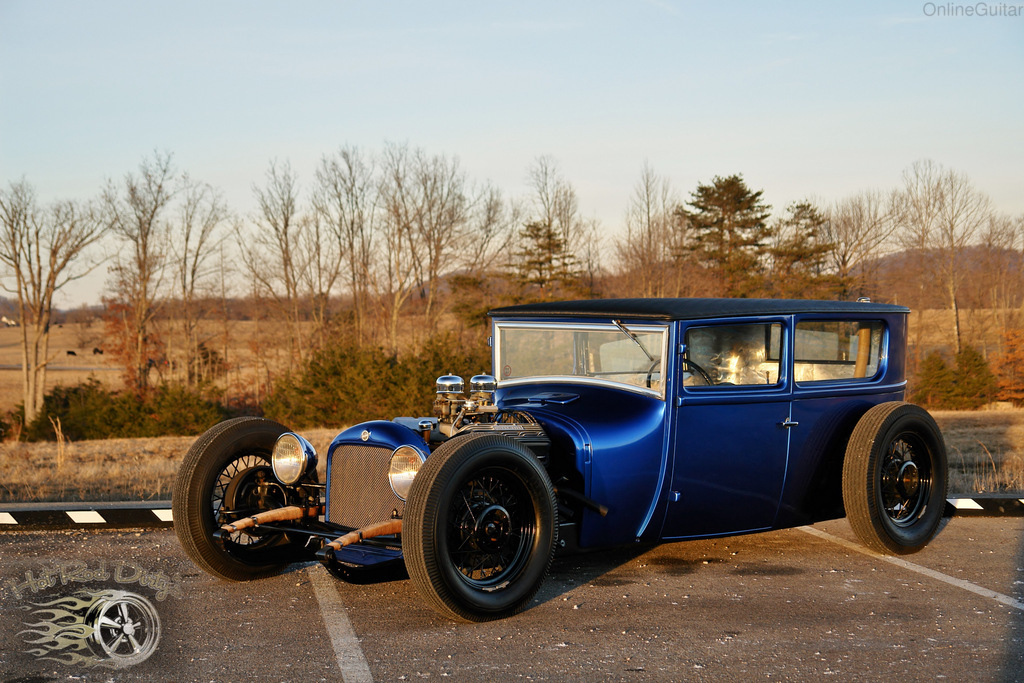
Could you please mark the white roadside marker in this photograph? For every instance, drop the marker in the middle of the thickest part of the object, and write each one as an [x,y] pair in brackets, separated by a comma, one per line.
[85,517]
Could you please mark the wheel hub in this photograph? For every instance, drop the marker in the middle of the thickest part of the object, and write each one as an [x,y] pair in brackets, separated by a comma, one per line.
[492,528]
[909,479]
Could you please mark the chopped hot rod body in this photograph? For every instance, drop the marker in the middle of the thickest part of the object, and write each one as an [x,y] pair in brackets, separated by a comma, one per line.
[605,422]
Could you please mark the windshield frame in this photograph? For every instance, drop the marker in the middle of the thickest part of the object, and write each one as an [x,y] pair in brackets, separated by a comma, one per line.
[660,353]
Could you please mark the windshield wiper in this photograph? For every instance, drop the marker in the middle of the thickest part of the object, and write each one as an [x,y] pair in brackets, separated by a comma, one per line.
[625,331]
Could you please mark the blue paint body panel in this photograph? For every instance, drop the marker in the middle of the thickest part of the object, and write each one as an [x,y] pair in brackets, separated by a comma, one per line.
[379,433]
[617,441]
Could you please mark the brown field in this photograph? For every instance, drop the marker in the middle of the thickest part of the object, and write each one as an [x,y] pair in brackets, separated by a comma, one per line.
[111,469]
[81,338]
[985,449]
[986,455]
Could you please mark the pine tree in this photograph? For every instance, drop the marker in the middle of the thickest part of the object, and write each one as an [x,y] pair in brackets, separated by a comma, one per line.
[975,384]
[934,386]
[800,255]
[730,232]
[545,258]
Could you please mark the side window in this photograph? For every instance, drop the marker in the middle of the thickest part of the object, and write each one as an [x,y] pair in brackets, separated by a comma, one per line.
[733,355]
[827,351]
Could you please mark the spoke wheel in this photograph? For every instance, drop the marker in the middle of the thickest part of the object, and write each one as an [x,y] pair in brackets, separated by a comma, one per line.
[479,529]
[491,526]
[895,478]
[223,478]
[906,479]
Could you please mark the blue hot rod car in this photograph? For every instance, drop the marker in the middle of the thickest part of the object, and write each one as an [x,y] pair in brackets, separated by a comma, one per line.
[605,422]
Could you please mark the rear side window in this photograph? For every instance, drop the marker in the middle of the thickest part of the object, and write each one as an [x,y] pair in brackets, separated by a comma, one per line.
[733,355]
[827,351]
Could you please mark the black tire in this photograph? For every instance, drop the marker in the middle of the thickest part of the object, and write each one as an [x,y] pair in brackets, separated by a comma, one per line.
[479,529]
[895,479]
[219,473]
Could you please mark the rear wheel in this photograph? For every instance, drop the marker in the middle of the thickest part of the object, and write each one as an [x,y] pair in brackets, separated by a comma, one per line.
[480,528]
[895,479]
[226,476]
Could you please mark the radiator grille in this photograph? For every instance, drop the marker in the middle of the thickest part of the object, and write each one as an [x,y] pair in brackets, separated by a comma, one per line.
[359,493]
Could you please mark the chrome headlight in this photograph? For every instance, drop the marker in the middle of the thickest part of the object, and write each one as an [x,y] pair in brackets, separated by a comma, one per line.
[405,463]
[292,458]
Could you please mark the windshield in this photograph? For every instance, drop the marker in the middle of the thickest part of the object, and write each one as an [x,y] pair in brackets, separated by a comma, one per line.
[598,353]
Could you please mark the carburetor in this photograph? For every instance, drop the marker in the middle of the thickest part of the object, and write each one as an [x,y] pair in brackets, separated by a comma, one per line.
[453,410]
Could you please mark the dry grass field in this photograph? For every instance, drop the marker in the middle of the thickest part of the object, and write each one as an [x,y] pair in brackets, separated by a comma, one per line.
[243,337]
[112,469]
[985,448]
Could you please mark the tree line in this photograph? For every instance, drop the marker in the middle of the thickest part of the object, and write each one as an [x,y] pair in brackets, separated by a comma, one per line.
[388,249]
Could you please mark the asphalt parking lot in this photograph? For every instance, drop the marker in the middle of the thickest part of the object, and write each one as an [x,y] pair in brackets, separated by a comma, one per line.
[799,604]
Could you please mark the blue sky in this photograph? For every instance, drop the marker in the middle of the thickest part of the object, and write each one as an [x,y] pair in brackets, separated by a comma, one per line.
[807,99]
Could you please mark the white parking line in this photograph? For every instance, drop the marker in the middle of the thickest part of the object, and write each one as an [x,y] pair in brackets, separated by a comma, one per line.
[349,654]
[931,573]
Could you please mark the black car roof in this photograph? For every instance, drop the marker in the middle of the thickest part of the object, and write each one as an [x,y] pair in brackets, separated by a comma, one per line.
[689,309]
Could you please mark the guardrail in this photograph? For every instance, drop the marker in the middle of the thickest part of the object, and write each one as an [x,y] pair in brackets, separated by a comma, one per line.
[103,515]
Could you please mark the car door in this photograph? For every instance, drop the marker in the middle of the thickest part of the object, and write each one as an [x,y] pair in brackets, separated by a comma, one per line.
[731,429]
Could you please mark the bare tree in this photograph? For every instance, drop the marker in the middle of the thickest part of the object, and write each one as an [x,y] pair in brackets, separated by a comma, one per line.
[345,199]
[395,276]
[941,213]
[489,233]
[200,213]
[322,259]
[646,252]
[859,229]
[439,222]
[43,251]
[136,209]
[272,253]
[999,279]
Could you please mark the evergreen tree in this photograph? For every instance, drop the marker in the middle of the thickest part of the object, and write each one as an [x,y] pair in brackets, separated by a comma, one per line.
[975,384]
[545,258]
[800,255]
[729,233]
[934,386]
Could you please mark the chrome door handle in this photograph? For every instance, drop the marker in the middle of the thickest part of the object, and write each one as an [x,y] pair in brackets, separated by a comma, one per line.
[788,422]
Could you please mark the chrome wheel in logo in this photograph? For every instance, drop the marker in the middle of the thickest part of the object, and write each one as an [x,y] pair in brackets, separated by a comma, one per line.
[126,628]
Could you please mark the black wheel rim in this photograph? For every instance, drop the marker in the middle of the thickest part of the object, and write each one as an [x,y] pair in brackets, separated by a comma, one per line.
[235,496]
[906,479]
[491,528]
